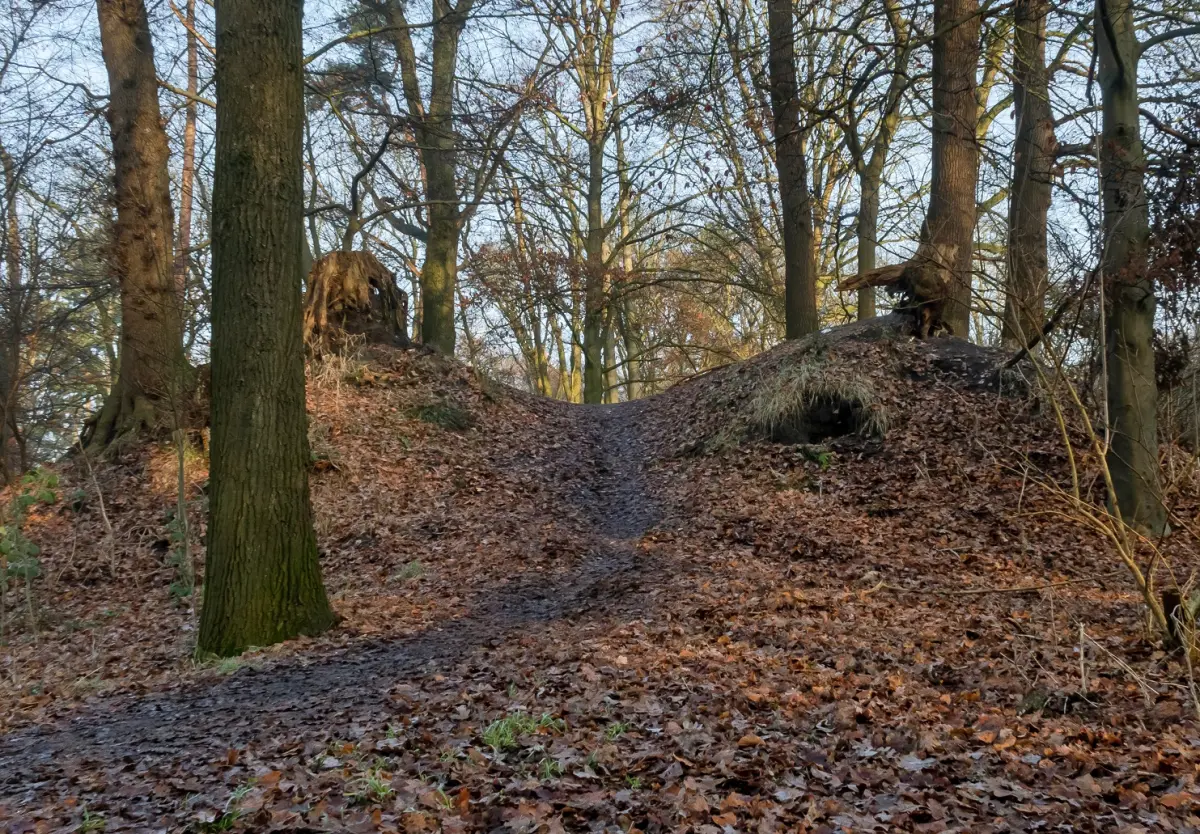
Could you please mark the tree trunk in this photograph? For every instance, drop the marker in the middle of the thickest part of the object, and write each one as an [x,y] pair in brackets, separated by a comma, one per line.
[593,293]
[1132,394]
[949,227]
[263,580]
[187,176]
[153,371]
[11,457]
[800,267]
[1033,162]
[436,139]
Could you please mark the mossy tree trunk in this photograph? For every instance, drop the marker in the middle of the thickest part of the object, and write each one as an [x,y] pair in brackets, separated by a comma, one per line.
[799,256]
[152,374]
[1132,390]
[263,579]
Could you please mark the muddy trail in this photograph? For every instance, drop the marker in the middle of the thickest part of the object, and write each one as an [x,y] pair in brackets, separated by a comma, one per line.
[597,475]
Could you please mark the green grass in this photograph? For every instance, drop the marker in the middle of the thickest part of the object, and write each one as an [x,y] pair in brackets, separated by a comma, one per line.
[549,769]
[505,733]
[616,730]
[372,785]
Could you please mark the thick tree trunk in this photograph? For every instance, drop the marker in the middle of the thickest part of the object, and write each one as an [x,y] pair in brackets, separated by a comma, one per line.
[1033,162]
[1132,394]
[153,372]
[439,274]
[950,222]
[800,265]
[263,579]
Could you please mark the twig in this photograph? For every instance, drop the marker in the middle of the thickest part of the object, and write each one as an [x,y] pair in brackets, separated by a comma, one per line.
[112,542]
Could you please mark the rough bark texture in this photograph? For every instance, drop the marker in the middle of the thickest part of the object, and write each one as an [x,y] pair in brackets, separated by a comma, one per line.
[1033,163]
[153,374]
[800,264]
[1132,390]
[950,222]
[263,580]
[353,294]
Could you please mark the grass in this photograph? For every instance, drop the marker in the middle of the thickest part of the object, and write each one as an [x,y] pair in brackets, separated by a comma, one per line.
[549,769]
[445,415]
[412,570]
[372,785]
[504,733]
[616,730]
[809,402]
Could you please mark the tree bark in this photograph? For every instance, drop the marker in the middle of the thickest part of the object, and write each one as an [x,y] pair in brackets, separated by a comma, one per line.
[153,372]
[187,176]
[263,580]
[950,222]
[12,458]
[800,266]
[593,277]
[437,145]
[1132,390]
[1033,162]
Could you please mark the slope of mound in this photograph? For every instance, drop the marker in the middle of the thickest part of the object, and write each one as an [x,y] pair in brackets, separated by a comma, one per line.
[831,588]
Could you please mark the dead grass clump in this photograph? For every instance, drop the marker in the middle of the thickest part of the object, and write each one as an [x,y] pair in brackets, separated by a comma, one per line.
[812,403]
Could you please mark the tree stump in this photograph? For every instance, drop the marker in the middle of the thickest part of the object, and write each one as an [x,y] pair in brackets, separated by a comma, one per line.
[353,294]
[924,283]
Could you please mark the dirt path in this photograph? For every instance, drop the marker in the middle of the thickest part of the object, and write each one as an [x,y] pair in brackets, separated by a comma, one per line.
[599,473]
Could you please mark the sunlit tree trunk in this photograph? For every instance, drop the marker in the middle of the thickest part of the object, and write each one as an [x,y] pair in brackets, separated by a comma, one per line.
[1033,162]
[435,133]
[950,222]
[153,371]
[263,580]
[187,175]
[800,268]
[1132,391]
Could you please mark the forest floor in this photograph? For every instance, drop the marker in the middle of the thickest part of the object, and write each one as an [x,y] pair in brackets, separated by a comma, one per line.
[635,617]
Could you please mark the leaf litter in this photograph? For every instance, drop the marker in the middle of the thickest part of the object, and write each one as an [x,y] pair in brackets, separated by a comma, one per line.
[642,617]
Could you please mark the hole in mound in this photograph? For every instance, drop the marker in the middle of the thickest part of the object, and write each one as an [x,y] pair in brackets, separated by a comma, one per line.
[813,403]
[824,419]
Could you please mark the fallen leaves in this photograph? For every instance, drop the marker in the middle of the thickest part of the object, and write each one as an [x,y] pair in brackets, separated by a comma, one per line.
[706,634]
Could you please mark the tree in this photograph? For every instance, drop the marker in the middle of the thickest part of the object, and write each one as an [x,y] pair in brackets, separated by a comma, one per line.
[435,134]
[949,230]
[153,371]
[263,579]
[1129,322]
[1032,179]
[870,166]
[800,268]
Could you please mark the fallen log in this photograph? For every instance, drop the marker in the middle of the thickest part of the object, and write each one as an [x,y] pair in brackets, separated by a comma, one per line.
[353,294]
[923,282]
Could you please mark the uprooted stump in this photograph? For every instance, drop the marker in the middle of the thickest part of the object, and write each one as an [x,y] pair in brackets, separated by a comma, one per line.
[351,294]
[923,283]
